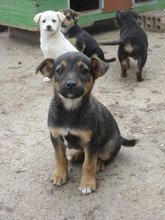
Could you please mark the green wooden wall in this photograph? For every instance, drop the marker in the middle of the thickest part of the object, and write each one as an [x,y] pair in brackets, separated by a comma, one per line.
[20,13]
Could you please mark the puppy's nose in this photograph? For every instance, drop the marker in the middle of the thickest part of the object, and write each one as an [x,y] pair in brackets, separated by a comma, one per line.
[71,83]
[48,27]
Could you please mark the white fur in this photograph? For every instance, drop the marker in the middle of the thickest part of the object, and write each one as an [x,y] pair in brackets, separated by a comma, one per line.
[85,190]
[52,42]
[65,141]
[70,104]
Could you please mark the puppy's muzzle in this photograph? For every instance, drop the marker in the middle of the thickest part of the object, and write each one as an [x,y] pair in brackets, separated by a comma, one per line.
[72,89]
[49,27]
[63,25]
[71,84]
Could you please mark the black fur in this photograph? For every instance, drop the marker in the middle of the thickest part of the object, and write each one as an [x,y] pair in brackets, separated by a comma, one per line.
[132,36]
[77,120]
[83,41]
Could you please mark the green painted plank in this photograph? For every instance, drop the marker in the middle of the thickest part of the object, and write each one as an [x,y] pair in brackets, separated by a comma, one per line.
[20,13]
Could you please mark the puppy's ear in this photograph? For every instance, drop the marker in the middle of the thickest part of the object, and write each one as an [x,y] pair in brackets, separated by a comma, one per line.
[60,10]
[61,16]
[99,67]
[77,15]
[46,67]
[37,18]
[135,14]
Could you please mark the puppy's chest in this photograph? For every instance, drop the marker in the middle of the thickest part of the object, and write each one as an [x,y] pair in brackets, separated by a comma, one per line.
[72,138]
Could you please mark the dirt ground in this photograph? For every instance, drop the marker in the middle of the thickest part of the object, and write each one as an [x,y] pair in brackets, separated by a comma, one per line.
[131,188]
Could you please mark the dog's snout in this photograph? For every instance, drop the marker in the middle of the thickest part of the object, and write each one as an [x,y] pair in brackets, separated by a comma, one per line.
[48,27]
[71,83]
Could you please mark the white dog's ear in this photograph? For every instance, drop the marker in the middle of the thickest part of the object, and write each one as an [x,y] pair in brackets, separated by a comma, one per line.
[61,16]
[37,18]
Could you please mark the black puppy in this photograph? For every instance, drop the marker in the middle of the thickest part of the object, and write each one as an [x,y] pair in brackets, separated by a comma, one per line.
[133,42]
[77,120]
[81,39]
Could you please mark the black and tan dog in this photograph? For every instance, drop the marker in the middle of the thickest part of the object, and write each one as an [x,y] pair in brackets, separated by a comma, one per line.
[133,42]
[81,39]
[77,120]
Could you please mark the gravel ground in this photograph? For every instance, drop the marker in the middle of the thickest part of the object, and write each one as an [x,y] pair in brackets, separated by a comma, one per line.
[131,188]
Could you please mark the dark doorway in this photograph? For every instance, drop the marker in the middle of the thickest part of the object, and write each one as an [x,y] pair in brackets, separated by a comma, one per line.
[84,5]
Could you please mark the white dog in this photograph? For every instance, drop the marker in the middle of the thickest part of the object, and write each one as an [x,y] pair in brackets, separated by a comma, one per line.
[52,41]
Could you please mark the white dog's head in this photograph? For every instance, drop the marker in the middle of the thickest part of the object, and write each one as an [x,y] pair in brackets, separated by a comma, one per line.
[49,21]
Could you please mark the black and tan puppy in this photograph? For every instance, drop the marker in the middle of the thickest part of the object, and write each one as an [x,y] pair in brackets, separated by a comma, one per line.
[77,120]
[133,42]
[81,39]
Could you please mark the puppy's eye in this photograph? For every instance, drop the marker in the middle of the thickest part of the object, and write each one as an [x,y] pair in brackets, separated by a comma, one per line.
[84,70]
[60,71]
[68,17]
[43,21]
[54,20]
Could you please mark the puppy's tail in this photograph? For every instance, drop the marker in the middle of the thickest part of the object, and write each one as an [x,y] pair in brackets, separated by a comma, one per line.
[109,60]
[128,143]
[119,42]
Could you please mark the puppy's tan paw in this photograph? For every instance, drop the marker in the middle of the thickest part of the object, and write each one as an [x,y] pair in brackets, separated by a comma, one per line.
[59,178]
[100,165]
[123,75]
[88,187]
[140,79]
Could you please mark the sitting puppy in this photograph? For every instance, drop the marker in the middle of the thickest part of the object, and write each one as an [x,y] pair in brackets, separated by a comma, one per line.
[133,42]
[52,41]
[81,39]
[77,120]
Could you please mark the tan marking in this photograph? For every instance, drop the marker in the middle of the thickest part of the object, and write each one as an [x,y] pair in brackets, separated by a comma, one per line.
[124,63]
[80,64]
[105,152]
[57,131]
[124,66]
[67,14]
[89,85]
[61,171]
[64,64]
[84,135]
[128,48]
[68,23]
[88,181]
[104,156]
[55,84]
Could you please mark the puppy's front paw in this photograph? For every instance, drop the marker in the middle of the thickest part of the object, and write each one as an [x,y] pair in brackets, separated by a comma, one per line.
[140,79]
[123,75]
[59,178]
[75,155]
[87,186]
[46,79]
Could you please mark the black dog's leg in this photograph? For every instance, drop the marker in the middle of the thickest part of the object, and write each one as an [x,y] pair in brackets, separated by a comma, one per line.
[123,58]
[88,181]
[61,171]
[140,65]
[128,62]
